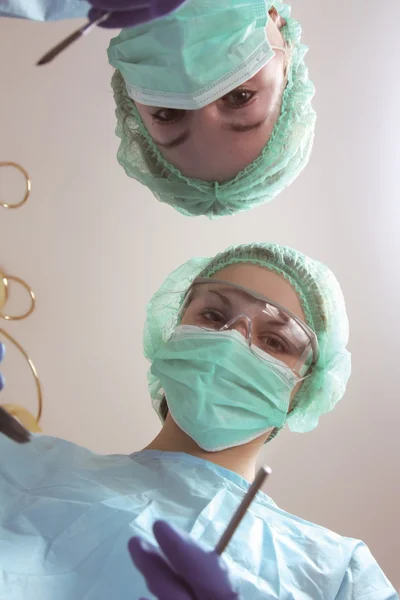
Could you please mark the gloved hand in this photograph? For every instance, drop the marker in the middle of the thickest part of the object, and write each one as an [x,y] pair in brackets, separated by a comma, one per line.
[127,13]
[189,573]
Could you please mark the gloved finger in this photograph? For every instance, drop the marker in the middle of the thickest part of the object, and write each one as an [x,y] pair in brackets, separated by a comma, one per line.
[161,579]
[2,351]
[121,19]
[2,381]
[184,554]
[207,572]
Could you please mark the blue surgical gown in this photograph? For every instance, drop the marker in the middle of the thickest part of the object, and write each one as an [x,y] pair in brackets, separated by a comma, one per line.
[66,515]
[44,10]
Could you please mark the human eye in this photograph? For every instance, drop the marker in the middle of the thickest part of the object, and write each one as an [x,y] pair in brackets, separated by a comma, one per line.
[213,317]
[239,97]
[166,116]
[274,344]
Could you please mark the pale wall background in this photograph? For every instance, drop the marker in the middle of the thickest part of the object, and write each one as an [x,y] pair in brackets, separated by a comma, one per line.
[95,245]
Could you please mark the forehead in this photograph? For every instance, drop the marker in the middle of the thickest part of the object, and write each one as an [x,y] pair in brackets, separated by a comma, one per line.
[263,281]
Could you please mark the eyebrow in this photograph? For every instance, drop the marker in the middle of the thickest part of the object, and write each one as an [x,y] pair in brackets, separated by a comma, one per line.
[281,320]
[225,300]
[178,141]
[243,128]
[183,137]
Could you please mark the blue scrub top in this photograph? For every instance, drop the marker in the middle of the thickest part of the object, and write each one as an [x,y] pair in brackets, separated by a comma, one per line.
[66,515]
[44,10]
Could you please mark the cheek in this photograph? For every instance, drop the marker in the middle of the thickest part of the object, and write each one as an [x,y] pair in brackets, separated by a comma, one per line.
[146,114]
[273,68]
[187,318]
[272,77]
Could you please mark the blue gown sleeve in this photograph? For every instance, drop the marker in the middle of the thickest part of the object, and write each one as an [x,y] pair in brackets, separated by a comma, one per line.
[44,10]
[364,579]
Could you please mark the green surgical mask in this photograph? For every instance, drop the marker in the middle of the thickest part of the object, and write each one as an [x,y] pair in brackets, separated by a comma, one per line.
[218,391]
[194,56]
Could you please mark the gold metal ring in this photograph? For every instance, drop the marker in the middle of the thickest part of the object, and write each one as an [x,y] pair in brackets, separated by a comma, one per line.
[28,186]
[33,370]
[3,290]
[5,279]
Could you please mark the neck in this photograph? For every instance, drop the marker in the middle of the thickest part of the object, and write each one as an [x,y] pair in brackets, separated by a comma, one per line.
[240,459]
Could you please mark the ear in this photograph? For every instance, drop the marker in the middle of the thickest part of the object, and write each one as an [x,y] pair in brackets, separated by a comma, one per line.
[276,17]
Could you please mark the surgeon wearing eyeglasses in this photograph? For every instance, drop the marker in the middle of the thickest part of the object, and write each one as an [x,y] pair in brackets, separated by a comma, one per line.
[240,346]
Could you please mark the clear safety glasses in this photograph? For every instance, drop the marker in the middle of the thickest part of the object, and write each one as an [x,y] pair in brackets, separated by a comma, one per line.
[218,305]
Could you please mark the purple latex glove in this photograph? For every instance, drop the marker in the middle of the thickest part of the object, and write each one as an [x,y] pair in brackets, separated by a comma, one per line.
[188,572]
[127,13]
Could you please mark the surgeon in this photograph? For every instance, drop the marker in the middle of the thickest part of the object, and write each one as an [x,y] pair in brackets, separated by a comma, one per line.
[240,345]
[214,104]
[213,101]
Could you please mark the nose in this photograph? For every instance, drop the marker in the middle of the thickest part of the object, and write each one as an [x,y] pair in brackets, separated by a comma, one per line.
[243,324]
[208,116]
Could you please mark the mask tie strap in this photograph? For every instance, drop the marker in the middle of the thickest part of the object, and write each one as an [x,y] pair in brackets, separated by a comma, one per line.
[281,48]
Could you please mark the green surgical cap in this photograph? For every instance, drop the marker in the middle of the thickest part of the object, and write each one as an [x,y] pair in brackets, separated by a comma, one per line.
[280,162]
[321,299]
